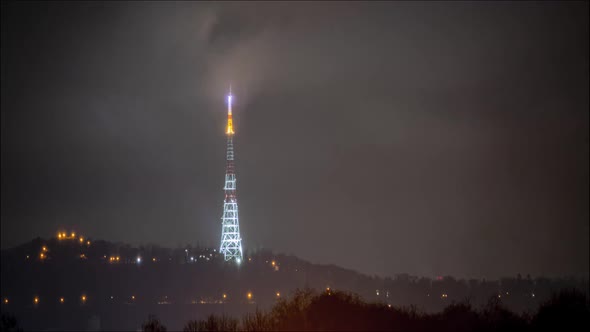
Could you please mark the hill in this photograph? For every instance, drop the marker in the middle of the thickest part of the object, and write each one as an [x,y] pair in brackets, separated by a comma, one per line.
[82,280]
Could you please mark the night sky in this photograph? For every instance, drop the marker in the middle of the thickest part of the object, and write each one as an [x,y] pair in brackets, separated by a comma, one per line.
[439,138]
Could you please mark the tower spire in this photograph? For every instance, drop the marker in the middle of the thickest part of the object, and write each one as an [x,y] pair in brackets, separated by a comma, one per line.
[231,241]
[230,125]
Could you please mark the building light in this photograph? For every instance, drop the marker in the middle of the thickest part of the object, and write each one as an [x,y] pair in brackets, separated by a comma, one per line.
[249,295]
[224,296]
[36,300]
[138,259]
[133,297]
[278,294]
[87,243]
[81,239]
[83,298]
[44,248]
[5,300]
[153,259]
[61,300]
[73,235]
[42,256]
[273,263]
[59,236]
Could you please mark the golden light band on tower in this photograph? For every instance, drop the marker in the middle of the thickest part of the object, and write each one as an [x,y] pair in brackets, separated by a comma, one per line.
[230,125]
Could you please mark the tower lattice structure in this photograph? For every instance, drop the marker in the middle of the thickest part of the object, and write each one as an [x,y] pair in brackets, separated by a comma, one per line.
[231,242]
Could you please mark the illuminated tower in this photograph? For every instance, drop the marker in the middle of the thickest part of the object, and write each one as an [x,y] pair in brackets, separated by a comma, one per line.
[231,242]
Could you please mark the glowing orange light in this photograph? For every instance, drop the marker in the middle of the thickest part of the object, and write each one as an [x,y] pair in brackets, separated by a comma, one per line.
[249,295]
[230,125]
[273,263]
[59,236]
[224,296]
[88,242]
[73,234]
[81,239]
[36,300]
[44,248]
[42,256]
[83,298]
[61,300]
[278,294]
[5,300]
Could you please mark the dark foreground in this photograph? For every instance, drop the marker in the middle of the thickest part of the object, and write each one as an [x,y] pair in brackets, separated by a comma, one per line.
[330,310]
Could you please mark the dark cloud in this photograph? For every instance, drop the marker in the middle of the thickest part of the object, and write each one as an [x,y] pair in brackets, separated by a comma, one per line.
[430,138]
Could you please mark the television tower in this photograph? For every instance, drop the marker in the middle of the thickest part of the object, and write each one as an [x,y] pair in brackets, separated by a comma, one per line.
[231,242]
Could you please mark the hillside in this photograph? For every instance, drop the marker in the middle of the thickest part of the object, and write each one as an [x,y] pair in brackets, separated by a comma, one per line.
[114,282]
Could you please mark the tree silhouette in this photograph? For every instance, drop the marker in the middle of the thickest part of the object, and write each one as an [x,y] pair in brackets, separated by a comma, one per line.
[153,324]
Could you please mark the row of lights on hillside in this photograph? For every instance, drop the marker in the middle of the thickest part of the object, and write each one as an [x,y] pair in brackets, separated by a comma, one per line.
[62,300]
[72,236]
[84,298]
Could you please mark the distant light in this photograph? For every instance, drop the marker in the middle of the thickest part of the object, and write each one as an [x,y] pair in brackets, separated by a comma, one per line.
[533,294]
[153,259]
[192,259]
[138,259]
[59,236]
[238,260]
[73,234]
[249,295]
[83,298]
[112,297]
[273,263]
[389,305]
[61,300]
[278,294]
[36,300]
[5,300]
[133,297]
[224,296]
[44,248]
[88,242]
[81,239]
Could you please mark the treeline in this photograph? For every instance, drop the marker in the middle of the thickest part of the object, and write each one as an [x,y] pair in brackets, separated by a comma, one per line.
[306,310]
